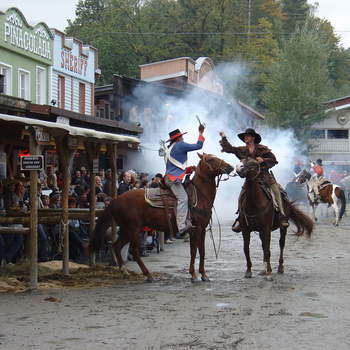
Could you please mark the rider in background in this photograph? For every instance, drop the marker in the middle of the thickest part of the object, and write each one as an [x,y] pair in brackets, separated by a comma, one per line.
[318,177]
[266,159]
[176,168]
[297,167]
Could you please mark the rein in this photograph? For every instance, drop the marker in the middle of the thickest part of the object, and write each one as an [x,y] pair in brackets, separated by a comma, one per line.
[203,212]
[257,173]
[261,212]
[210,229]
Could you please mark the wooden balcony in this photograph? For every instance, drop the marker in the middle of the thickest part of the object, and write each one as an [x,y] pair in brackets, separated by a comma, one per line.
[330,146]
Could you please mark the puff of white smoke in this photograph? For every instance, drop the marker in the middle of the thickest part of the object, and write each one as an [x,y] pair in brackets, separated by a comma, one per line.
[163,112]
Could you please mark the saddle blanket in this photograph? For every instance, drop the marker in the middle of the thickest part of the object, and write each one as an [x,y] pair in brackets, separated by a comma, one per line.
[156,197]
[324,184]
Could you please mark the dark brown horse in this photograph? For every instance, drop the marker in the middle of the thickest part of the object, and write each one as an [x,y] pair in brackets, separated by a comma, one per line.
[330,194]
[257,213]
[131,212]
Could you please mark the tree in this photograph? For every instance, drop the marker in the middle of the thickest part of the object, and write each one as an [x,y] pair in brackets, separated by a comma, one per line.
[299,83]
[296,13]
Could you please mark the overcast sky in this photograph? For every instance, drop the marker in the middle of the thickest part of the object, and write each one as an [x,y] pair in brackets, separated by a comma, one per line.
[56,12]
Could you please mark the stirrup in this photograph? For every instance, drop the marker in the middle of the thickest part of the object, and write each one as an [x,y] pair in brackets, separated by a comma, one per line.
[236,227]
[284,221]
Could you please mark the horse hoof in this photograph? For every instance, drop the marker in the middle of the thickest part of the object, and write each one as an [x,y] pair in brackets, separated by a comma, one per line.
[205,279]
[248,274]
[280,270]
[269,278]
[263,273]
[124,272]
[194,280]
[149,279]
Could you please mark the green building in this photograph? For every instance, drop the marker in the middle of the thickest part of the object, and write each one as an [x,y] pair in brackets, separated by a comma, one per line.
[25,57]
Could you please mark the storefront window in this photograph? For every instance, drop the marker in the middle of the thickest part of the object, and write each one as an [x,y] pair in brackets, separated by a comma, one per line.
[40,86]
[24,85]
[6,72]
[318,134]
[337,134]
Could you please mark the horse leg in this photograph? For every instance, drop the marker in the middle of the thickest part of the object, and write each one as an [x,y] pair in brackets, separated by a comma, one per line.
[336,213]
[336,208]
[314,207]
[118,246]
[135,245]
[201,248]
[193,245]
[265,238]
[283,232]
[246,238]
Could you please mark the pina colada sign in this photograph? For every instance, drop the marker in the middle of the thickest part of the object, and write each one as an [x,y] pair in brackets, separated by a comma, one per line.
[36,41]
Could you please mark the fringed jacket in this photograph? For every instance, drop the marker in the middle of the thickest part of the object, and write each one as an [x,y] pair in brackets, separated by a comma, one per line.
[269,159]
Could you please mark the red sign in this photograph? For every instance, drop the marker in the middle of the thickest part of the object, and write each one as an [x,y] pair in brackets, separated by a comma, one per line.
[73,63]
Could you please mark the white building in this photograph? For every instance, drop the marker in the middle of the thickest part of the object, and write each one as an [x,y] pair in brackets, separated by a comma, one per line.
[73,74]
[330,137]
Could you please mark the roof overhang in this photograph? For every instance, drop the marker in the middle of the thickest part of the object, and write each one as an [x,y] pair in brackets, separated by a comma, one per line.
[58,128]
[250,110]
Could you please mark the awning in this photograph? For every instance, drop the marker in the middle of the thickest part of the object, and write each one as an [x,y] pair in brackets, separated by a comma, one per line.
[70,130]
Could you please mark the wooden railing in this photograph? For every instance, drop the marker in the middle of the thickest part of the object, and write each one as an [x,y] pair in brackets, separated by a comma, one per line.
[326,146]
[45,216]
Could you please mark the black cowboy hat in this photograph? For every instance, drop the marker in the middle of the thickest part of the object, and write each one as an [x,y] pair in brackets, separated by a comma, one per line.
[319,162]
[251,132]
[173,135]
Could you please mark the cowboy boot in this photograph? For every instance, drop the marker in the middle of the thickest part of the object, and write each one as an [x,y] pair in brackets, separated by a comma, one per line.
[236,226]
[283,220]
[282,216]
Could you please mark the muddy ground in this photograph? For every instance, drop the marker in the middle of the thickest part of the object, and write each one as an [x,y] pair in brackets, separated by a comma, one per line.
[306,308]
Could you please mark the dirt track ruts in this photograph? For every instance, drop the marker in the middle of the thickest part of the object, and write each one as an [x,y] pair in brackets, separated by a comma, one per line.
[306,308]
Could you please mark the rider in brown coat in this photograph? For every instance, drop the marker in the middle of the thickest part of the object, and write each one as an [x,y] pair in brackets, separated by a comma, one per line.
[265,158]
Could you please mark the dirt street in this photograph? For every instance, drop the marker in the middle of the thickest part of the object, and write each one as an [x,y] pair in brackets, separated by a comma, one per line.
[306,308]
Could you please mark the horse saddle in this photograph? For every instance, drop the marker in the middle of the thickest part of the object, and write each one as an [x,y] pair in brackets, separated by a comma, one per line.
[269,195]
[162,197]
[324,184]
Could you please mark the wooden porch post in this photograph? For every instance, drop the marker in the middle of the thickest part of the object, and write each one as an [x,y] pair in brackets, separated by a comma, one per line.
[66,152]
[112,155]
[33,149]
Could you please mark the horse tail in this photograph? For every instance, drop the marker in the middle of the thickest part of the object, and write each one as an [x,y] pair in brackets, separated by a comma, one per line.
[343,203]
[302,221]
[102,224]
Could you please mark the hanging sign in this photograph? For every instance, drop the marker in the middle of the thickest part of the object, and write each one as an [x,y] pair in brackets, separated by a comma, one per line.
[32,163]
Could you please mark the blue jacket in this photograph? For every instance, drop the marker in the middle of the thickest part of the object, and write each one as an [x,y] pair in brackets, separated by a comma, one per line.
[179,152]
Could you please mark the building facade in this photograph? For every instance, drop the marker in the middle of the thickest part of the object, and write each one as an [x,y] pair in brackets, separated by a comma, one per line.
[179,72]
[25,57]
[73,74]
[330,137]
[189,75]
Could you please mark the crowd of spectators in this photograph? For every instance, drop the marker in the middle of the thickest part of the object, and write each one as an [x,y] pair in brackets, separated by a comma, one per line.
[14,196]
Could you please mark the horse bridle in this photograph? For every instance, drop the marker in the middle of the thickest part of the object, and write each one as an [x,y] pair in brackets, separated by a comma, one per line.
[218,175]
[303,177]
[257,172]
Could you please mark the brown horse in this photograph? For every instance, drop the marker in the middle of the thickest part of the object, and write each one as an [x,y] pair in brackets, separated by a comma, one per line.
[331,194]
[257,213]
[131,212]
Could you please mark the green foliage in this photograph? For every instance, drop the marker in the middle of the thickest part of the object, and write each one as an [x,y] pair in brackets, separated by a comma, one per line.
[299,82]
[296,13]
[128,33]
